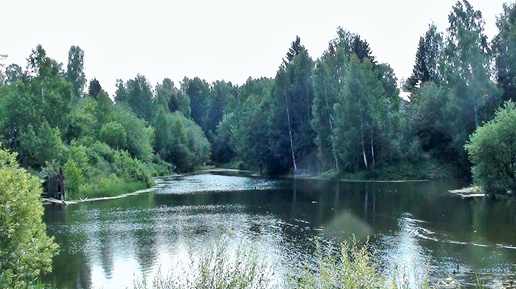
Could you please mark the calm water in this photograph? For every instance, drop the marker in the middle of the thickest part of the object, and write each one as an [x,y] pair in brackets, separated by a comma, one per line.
[414,226]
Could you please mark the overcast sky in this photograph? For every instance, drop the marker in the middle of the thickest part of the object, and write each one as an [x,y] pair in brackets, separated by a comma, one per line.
[215,39]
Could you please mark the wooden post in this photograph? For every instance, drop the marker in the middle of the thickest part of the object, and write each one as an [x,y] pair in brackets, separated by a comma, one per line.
[61,184]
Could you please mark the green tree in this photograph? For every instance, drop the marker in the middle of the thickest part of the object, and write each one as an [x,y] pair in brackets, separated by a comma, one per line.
[75,70]
[13,72]
[137,94]
[25,250]
[429,119]
[328,82]
[504,50]
[492,150]
[81,120]
[113,134]
[199,93]
[171,98]
[357,116]
[139,134]
[473,96]
[291,135]
[41,145]
[222,94]
[428,59]
[243,132]
[74,178]
[94,88]
[329,79]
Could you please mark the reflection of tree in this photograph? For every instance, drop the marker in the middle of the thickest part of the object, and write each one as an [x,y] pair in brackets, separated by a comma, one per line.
[146,250]
[106,250]
[71,269]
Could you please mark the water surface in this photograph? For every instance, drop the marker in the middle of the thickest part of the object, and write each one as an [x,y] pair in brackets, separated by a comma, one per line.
[416,227]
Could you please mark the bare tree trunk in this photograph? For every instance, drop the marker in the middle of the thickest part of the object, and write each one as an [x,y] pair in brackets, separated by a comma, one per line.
[362,134]
[372,149]
[290,134]
[331,129]
[475,109]
[363,143]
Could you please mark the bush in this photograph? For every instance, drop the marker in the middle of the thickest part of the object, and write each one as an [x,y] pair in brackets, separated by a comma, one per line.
[25,249]
[131,169]
[492,150]
[74,178]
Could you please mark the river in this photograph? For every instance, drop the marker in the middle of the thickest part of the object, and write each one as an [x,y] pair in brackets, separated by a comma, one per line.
[417,227]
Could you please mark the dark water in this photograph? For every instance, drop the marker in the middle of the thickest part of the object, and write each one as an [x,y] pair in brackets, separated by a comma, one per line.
[416,227]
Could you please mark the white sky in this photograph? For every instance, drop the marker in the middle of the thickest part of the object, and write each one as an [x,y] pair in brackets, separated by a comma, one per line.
[215,40]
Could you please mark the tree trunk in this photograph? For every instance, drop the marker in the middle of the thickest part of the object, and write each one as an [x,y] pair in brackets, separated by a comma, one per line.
[362,134]
[331,129]
[363,143]
[475,109]
[372,149]
[290,134]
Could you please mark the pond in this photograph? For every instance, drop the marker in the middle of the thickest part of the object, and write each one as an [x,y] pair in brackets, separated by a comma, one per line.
[417,227]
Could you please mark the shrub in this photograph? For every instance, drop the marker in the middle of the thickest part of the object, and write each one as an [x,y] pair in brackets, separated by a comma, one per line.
[492,150]
[25,249]
[74,178]
[131,169]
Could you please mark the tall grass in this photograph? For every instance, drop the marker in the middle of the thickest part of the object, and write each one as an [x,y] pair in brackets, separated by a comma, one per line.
[215,268]
[350,266]
[108,187]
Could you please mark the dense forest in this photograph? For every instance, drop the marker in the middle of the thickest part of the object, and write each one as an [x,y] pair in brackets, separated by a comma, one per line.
[340,113]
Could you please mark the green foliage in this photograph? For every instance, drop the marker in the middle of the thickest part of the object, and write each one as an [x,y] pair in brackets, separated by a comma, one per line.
[357,116]
[25,250]
[94,88]
[290,133]
[170,98]
[137,94]
[198,91]
[428,59]
[352,267]
[131,169]
[139,134]
[75,70]
[41,146]
[114,134]
[492,150]
[74,178]
[180,141]
[504,46]
[472,95]
[110,186]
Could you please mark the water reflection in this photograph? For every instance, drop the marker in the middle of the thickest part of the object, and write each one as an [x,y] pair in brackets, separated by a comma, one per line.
[414,226]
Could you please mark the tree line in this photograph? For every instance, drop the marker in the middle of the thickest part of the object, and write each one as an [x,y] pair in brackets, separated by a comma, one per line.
[341,112]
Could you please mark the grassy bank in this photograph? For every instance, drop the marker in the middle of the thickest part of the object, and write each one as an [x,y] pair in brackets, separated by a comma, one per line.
[425,170]
[109,188]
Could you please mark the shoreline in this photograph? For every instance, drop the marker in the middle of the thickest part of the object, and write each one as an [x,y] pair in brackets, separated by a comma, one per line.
[158,183]
[52,201]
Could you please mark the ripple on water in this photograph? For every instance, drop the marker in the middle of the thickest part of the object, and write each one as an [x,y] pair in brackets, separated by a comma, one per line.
[213,183]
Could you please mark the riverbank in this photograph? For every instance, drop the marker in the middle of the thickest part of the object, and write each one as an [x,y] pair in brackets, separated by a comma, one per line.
[158,183]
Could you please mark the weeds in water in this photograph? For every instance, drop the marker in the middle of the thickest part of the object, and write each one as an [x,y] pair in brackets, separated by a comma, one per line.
[216,268]
[351,266]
